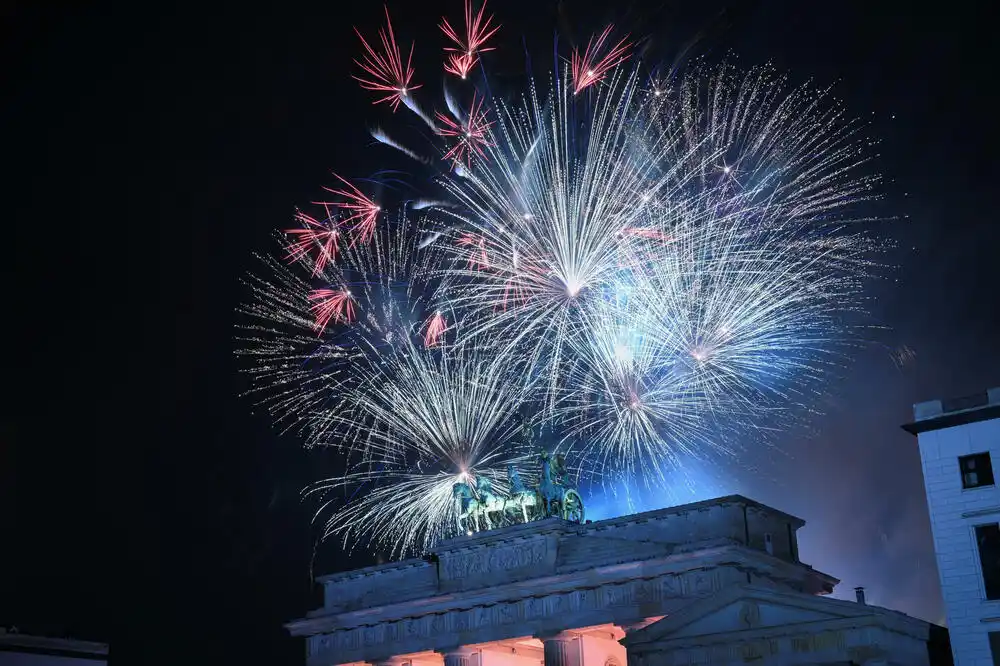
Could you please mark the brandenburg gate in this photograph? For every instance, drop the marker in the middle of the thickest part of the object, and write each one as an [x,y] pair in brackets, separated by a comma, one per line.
[715,582]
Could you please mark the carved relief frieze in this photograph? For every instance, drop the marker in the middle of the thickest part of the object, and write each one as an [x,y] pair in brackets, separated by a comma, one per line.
[461,621]
[413,627]
[485,560]
[534,608]
[670,587]
[555,604]
[618,595]
[647,591]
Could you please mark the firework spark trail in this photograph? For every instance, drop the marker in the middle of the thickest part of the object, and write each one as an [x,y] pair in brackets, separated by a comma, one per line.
[462,59]
[384,68]
[590,68]
[398,512]
[387,140]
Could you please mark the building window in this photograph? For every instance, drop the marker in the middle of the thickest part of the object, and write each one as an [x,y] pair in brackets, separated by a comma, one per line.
[995,647]
[977,470]
[768,544]
[988,540]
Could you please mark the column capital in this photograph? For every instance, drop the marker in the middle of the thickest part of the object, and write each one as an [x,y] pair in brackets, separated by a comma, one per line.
[459,655]
[561,649]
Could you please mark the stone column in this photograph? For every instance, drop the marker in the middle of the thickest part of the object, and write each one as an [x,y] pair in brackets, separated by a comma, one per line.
[562,649]
[460,656]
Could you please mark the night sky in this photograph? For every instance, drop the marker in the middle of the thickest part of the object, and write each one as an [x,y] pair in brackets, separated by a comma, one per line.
[150,152]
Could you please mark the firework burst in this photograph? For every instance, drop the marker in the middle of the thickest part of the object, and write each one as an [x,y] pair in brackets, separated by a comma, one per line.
[648,275]
[314,236]
[384,69]
[436,419]
[310,331]
[590,67]
[362,212]
[462,57]
[470,135]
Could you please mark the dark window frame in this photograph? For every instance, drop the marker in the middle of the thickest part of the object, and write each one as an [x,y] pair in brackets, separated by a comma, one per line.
[982,473]
[994,638]
[988,545]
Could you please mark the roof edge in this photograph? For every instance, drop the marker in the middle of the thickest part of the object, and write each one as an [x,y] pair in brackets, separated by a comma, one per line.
[952,419]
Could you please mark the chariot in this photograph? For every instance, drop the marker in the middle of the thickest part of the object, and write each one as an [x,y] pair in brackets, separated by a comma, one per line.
[552,497]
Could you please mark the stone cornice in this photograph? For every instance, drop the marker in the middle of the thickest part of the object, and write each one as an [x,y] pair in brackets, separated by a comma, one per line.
[374,570]
[780,570]
[738,500]
[730,555]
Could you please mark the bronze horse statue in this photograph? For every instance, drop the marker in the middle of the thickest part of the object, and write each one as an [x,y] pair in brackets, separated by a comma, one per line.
[553,497]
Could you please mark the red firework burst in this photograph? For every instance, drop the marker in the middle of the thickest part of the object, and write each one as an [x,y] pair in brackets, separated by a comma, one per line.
[436,326]
[477,254]
[471,135]
[385,67]
[335,304]
[460,64]
[362,210]
[323,236]
[591,67]
[462,59]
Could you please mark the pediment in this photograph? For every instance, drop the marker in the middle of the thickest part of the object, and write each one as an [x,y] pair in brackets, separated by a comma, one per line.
[745,607]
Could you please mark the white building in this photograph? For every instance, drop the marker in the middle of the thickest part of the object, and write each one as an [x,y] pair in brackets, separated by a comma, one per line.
[959,444]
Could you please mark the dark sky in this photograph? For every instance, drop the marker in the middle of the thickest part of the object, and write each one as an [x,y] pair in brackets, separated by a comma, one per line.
[149,152]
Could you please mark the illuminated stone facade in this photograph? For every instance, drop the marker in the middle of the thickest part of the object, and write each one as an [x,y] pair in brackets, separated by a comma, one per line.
[562,594]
